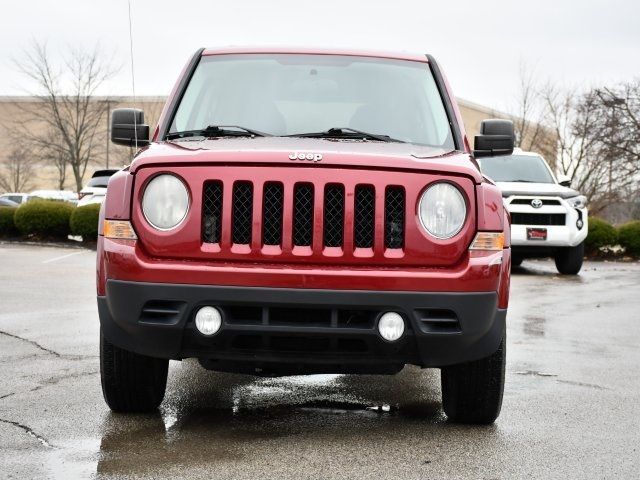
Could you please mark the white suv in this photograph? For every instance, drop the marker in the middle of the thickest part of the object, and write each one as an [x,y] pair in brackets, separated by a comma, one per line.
[547,217]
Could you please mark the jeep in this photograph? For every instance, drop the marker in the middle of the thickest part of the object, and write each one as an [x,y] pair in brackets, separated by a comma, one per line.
[381,245]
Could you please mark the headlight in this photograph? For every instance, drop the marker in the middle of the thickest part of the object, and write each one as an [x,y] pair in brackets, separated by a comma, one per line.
[578,202]
[442,210]
[165,202]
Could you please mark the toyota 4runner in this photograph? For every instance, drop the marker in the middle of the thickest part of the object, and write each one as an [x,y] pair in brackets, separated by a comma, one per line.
[548,218]
[305,211]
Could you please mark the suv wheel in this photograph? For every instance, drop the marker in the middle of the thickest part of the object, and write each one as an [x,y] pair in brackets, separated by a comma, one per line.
[569,259]
[472,392]
[131,382]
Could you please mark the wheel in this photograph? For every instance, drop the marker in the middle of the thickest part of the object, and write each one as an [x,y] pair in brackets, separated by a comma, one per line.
[516,261]
[131,382]
[569,259]
[472,392]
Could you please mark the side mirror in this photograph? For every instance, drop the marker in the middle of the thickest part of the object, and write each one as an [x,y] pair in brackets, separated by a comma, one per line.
[564,180]
[496,138]
[128,127]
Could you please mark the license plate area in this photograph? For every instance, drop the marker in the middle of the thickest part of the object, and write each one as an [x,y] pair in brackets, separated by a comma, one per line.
[536,233]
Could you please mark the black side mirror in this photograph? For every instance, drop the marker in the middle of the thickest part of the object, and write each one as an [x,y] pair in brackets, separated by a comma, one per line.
[564,180]
[496,138]
[128,127]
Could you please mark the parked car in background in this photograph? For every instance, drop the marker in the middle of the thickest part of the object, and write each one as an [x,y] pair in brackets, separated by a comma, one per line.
[548,219]
[62,195]
[95,190]
[5,202]
[17,198]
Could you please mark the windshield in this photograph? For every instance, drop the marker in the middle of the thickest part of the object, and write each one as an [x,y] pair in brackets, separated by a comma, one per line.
[295,94]
[516,168]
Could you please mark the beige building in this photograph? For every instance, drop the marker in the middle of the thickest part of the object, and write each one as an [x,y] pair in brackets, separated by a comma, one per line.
[46,176]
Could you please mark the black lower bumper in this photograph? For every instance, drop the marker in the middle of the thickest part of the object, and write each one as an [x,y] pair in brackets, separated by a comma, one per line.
[287,331]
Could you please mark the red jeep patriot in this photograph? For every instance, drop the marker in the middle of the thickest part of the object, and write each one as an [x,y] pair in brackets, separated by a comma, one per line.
[305,211]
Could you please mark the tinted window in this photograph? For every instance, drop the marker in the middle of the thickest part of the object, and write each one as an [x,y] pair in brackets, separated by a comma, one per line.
[516,168]
[292,94]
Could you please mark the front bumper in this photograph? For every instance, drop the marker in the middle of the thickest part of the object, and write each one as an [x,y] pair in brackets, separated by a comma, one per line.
[292,330]
[567,235]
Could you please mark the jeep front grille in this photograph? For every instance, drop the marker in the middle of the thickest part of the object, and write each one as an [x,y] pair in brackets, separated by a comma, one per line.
[272,214]
[302,208]
[364,218]
[394,217]
[212,212]
[242,212]
[333,215]
[303,214]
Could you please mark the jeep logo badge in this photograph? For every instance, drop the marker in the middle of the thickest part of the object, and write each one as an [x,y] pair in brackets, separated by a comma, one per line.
[311,157]
[536,203]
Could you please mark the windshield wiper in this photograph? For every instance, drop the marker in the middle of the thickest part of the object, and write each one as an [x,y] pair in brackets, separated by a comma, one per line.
[218,131]
[345,132]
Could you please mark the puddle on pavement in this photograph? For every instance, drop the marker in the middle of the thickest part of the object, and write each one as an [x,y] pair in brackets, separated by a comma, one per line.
[208,418]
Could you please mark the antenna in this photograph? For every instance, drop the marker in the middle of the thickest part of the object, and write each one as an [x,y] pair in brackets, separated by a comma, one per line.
[133,80]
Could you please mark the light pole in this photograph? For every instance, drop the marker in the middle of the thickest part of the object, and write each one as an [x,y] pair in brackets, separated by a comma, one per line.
[108,102]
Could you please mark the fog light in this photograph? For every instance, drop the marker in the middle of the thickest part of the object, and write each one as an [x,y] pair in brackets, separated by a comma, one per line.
[579,223]
[208,320]
[391,326]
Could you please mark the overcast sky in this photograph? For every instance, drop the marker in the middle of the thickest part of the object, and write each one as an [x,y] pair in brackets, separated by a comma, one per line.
[480,44]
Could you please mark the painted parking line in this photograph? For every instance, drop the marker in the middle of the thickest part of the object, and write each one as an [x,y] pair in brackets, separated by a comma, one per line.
[62,257]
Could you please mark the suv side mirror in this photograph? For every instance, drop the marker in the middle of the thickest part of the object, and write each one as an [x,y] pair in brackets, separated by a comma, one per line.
[128,127]
[564,180]
[496,138]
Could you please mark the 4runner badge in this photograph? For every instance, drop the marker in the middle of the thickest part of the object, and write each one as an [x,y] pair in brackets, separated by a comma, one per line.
[312,157]
[536,203]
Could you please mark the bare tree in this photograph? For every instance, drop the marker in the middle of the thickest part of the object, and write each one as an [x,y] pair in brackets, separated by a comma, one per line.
[598,137]
[16,174]
[71,124]
[529,111]
[530,114]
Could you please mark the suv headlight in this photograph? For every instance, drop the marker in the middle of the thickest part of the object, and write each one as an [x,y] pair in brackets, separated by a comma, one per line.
[578,202]
[165,202]
[442,210]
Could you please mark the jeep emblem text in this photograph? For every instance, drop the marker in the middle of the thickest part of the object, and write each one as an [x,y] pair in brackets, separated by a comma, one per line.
[312,157]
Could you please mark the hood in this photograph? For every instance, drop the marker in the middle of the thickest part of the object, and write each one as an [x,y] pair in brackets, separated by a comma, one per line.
[335,153]
[536,189]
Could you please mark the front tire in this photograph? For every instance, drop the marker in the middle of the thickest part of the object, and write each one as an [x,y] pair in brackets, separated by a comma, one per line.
[131,383]
[569,259]
[472,392]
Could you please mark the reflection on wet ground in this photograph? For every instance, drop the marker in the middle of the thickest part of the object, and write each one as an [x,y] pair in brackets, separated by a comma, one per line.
[213,417]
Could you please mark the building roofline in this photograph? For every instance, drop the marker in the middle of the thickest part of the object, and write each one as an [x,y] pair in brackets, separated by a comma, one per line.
[98,98]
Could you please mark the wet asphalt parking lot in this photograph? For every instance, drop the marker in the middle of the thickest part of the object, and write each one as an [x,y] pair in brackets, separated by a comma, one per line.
[571,406]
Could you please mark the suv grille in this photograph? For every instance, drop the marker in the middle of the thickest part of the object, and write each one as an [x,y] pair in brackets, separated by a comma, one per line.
[303,214]
[333,215]
[527,201]
[212,212]
[302,210]
[272,214]
[394,217]
[364,218]
[538,218]
[242,212]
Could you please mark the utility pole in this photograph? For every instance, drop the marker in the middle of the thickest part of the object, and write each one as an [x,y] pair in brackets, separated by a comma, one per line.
[108,129]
